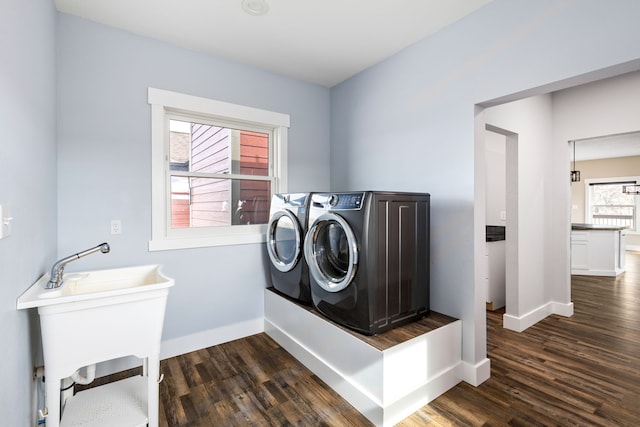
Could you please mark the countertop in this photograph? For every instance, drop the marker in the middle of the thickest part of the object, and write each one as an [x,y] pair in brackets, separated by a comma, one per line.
[578,226]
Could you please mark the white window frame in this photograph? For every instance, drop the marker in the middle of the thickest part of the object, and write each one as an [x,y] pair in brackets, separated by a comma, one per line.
[618,179]
[166,104]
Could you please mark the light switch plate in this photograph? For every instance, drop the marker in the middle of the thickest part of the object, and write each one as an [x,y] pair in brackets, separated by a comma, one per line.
[5,219]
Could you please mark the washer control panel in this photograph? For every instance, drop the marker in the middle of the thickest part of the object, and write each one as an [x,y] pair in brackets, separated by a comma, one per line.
[346,201]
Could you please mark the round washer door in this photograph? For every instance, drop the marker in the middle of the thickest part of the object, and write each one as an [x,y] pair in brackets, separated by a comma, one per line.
[284,240]
[331,251]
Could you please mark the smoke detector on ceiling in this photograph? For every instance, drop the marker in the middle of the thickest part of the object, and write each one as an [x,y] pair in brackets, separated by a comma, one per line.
[255,7]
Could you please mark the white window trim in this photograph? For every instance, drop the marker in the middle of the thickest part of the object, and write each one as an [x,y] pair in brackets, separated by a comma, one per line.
[165,102]
[587,197]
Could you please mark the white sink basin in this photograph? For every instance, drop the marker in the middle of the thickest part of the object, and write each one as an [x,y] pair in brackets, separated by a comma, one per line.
[95,284]
[96,316]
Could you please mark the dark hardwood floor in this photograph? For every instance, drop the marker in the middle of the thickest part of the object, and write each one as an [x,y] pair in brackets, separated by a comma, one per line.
[577,371]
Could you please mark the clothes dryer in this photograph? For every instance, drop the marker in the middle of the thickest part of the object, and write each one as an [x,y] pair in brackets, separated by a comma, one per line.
[285,238]
[368,258]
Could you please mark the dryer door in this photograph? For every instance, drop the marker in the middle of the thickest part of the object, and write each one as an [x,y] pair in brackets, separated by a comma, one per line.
[284,240]
[331,251]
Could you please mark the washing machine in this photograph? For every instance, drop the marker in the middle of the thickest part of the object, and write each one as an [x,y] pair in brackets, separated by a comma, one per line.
[368,258]
[285,238]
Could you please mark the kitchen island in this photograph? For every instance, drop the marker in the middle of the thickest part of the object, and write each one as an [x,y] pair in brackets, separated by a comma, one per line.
[597,250]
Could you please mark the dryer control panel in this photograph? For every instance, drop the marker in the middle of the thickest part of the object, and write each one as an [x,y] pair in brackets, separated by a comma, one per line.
[346,201]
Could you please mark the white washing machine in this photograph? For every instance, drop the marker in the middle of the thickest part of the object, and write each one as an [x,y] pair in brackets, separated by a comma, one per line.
[368,258]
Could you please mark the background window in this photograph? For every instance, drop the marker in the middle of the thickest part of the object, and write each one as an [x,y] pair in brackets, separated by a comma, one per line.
[609,205]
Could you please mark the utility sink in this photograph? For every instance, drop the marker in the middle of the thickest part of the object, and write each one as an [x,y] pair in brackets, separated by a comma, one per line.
[96,316]
[95,284]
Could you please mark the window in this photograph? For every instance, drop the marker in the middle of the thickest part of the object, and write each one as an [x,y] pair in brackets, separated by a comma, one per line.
[608,205]
[214,169]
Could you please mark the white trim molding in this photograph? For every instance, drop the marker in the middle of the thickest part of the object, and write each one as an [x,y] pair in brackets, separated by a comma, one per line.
[188,343]
[476,374]
[523,322]
[165,105]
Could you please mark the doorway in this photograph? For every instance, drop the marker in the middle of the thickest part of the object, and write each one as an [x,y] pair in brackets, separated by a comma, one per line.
[606,164]
[501,214]
[545,118]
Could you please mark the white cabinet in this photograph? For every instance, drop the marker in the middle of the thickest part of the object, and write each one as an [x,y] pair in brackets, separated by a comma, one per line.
[495,274]
[597,250]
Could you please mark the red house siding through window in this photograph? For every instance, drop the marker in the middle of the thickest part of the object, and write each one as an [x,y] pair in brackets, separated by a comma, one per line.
[219,202]
[254,195]
[180,215]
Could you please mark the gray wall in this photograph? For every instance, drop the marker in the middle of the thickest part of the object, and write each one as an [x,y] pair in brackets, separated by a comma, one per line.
[28,187]
[104,166]
[423,100]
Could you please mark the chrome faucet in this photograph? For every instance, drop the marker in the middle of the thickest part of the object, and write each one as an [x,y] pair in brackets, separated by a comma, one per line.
[58,268]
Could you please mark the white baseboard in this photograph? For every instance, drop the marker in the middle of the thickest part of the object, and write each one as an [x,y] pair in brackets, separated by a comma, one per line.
[211,337]
[476,374]
[188,343]
[591,272]
[562,309]
[523,322]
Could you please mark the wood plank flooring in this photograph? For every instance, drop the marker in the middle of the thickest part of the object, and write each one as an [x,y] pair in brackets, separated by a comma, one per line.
[577,371]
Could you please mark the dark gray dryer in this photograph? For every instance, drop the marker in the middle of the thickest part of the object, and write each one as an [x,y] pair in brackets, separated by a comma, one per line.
[368,258]
[285,237]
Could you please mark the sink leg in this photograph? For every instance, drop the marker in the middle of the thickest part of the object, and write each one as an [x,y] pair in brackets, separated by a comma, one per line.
[52,399]
[153,373]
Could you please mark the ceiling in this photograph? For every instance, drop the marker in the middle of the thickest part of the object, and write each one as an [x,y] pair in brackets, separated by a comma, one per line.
[620,145]
[322,41]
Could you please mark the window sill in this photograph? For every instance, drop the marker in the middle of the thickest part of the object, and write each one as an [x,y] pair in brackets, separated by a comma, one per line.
[204,242]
